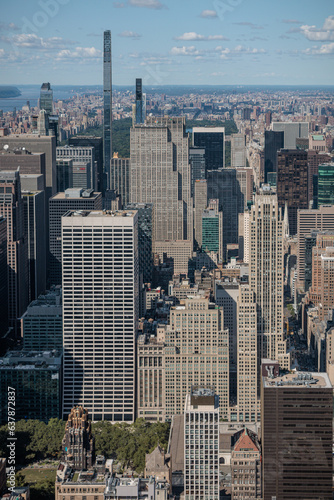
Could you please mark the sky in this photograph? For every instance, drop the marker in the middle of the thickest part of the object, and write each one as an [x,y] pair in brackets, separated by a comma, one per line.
[180,42]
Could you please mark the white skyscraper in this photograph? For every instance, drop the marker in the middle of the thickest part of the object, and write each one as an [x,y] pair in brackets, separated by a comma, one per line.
[201,445]
[100,312]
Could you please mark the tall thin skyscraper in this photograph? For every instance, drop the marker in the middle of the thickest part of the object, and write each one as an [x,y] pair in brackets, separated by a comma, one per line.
[100,312]
[107,104]
[139,108]
[46,98]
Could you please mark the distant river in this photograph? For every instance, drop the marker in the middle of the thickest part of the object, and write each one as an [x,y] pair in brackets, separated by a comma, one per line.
[31,93]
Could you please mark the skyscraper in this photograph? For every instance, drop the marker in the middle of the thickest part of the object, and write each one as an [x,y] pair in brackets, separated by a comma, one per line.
[201,444]
[273,142]
[238,150]
[200,203]
[145,229]
[326,184]
[46,98]
[197,165]
[83,173]
[11,207]
[292,131]
[160,174]
[107,104]
[291,183]
[296,427]
[120,178]
[100,312]
[97,143]
[212,140]
[139,108]
[3,277]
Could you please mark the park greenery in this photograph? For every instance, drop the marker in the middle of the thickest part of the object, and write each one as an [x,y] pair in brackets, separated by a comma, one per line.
[126,443]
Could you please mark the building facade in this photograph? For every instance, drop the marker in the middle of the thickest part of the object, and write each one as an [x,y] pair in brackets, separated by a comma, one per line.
[107,104]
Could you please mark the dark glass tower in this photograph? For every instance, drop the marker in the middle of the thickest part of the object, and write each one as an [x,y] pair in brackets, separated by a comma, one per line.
[326,184]
[46,98]
[107,104]
[212,140]
[139,114]
[273,142]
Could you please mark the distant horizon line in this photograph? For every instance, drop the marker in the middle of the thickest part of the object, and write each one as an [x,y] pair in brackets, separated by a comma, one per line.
[240,85]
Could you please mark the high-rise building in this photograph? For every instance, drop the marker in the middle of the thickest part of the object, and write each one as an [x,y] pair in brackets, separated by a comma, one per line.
[292,131]
[201,444]
[120,178]
[196,352]
[291,183]
[273,142]
[246,467]
[42,324]
[212,232]
[46,98]
[314,159]
[197,165]
[34,229]
[145,230]
[244,241]
[325,184]
[139,108]
[212,139]
[37,380]
[11,208]
[83,173]
[160,174]
[297,436]
[29,163]
[3,277]
[78,445]
[107,105]
[308,220]
[245,178]
[223,185]
[200,204]
[97,144]
[100,312]
[238,150]
[266,275]
[71,199]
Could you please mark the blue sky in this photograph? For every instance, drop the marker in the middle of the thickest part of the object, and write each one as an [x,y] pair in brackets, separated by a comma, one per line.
[168,41]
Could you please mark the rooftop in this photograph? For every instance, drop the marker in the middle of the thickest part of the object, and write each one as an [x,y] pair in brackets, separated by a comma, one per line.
[100,213]
[306,380]
[31,360]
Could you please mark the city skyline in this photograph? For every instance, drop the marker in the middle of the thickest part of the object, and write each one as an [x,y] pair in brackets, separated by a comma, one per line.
[221,42]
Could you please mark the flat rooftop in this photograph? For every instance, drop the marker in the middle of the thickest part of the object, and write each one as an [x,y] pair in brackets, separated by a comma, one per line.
[306,380]
[100,213]
[31,360]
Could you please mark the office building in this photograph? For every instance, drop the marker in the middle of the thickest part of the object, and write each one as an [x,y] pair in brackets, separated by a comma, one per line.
[297,435]
[212,140]
[223,185]
[100,312]
[321,219]
[292,131]
[273,142]
[34,144]
[34,230]
[317,142]
[246,467]
[238,150]
[310,242]
[266,274]
[201,444]
[29,163]
[46,98]
[139,108]
[120,178]
[107,106]
[212,232]
[37,381]
[244,241]
[176,253]
[325,184]
[291,183]
[200,204]
[196,352]
[145,230]
[245,178]
[314,159]
[78,450]
[197,165]
[84,171]
[64,174]
[42,324]
[160,174]
[11,208]
[151,400]
[3,277]
[97,144]
[71,199]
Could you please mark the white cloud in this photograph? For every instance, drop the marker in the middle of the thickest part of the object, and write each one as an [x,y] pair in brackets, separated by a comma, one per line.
[148,4]
[291,21]
[325,33]
[2,52]
[185,51]
[9,27]
[32,41]
[325,49]
[209,14]
[195,37]
[79,53]
[130,34]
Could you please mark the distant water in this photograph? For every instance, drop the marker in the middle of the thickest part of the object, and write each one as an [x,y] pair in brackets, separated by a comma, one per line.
[31,93]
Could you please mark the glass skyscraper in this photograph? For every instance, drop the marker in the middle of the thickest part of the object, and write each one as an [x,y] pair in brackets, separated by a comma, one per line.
[107,104]
[46,98]
[139,112]
[326,184]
